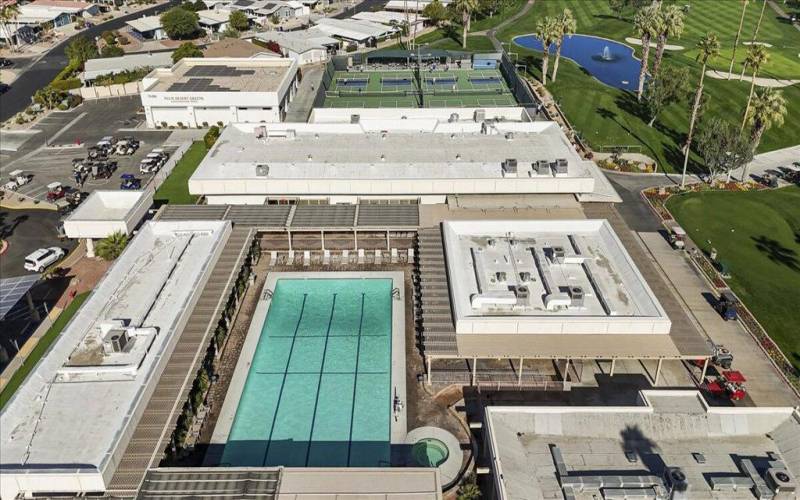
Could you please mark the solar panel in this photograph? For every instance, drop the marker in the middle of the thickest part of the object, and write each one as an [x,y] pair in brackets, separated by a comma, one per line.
[13,289]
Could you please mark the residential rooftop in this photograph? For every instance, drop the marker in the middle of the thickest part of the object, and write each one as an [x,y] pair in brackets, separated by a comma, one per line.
[113,65]
[604,452]
[299,41]
[221,74]
[99,370]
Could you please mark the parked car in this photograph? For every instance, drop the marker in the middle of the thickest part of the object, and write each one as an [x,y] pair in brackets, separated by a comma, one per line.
[39,260]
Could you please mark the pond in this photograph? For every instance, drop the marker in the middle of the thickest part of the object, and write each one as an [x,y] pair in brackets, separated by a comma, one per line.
[611,62]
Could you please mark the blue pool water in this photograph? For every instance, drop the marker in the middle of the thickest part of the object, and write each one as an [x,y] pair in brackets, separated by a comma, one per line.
[621,71]
[318,391]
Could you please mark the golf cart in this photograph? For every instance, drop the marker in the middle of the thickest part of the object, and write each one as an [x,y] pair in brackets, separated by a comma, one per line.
[677,237]
[126,147]
[74,197]
[96,153]
[130,182]
[17,178]
[726,305]
[148,166]
[103,169]
[55,191]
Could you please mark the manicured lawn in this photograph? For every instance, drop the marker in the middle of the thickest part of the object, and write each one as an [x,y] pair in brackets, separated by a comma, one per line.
[757,235]
[39,349]
[175,189]
[605,116]
[475,43]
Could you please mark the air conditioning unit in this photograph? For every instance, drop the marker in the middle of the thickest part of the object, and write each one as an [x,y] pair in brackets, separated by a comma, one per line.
[490,242]
[453,118]
[542,167]
[355,118]
[559,254]
[262,170]
[576,294]
[510,167]
[115,341]
[479,115]
[560,166]
[501,276]
[525,277]
[522,293]
[782,483]
[676,482]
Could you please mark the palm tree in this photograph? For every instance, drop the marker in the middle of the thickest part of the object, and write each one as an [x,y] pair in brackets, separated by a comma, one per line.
[646,23]
[768,109]
[758,24]
[547,31]
[756,57]
[110,247]
[738,35]
[465,7]
[671,24]
[709,48]
[566,25]
[9,12]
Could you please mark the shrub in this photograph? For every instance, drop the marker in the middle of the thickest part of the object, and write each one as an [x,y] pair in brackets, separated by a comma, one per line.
[64,85]
[180,24]
[110,247]
[111,51]
[187,49]
[211,136]
[109,37]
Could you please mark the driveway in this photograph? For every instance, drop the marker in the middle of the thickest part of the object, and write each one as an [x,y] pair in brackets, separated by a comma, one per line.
[45,69]
[26,231]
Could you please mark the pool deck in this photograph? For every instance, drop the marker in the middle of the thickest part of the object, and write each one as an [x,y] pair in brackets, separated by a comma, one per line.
[398,382]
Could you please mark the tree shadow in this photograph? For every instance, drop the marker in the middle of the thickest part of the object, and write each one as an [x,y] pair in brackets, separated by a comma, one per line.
[635,442]
[628,103]
[7,227]
[776,252]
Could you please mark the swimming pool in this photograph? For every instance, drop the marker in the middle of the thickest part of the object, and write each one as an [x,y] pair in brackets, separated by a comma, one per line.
[318,389]
[611,62]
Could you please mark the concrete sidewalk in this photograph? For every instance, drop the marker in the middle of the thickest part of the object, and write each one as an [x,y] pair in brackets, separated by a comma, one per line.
[770,161]
[765,386]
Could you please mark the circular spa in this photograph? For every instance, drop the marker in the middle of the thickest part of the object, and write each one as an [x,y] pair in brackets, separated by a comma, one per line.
[436,447]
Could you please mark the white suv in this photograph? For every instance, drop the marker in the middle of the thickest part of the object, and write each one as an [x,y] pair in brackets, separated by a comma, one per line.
[40,259]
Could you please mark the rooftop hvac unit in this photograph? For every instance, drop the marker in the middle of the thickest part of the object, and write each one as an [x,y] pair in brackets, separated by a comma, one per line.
[453,118]
[542,167]
[262,170]
[261,132]
[115,341]
[561,166]
[490,242]
[501,276]
[355,118]
[675,480]
[559,254]
[522,294]
[525,277]
[509,136]
[479,115]
[782,483]
[510,167]
[576,294]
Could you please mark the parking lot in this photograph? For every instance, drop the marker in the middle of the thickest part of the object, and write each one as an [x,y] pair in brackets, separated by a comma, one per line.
[67,136]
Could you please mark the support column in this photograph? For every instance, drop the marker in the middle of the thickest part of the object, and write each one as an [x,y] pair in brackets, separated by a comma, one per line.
[32,307]
[388,242]
[658,370]
[428,360]
[705,369]
[519,375]
[474,370]
[89,247]
[289,235]
[322,234]
[613,365]
[355,235]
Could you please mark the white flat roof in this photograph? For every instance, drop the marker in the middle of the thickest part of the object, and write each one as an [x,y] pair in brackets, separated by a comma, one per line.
[110,205]
[353,29]
[412,156]
[71,414]
[546,277]
[665,431]
[145,23]
[403,5]
[299,41]
[211,16]
[387,17]
[113,65]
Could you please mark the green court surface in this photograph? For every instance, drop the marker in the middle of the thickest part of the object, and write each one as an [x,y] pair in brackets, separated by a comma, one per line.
[429,88]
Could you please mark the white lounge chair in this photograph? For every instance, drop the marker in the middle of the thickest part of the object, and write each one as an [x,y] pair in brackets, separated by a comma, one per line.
[360,255]
[273,258]
[290,258]
[306,258]
[394,256]
[326,257]
[345,257]
[378,255]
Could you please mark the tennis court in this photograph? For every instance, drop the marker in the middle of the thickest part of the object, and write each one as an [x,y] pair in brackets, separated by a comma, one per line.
[430,88]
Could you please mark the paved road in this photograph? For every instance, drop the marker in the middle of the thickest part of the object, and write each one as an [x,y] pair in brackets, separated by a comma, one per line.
[365,5]
[43,71]
[26,231]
